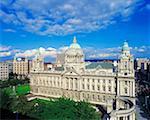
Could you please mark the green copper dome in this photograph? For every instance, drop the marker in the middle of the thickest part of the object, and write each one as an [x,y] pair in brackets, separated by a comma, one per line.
[125,46]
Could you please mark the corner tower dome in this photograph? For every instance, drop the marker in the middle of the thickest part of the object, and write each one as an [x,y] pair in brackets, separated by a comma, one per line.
[75,45]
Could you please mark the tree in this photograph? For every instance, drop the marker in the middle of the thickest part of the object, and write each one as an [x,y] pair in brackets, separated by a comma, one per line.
[85,111]
[4,99]
[21,105]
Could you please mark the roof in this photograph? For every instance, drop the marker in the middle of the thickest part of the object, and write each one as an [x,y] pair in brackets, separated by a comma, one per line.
[103,65]
[125,46]
[59,68]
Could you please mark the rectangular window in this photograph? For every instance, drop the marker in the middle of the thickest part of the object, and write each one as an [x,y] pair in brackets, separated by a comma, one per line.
[93,87]
[104,98]
[104,81]
[88,87]
[83,95]
[98,88]
[125,82]
[88,95]
[103,88]
[109,88]
[98,97]
[93,96]
[82,86]
[126,90]
[76,85]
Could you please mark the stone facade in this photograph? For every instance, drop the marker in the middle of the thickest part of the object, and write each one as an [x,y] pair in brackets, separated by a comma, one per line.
[96,83]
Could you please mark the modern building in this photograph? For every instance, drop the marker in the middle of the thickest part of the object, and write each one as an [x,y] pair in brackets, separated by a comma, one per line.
[21,66]
[142,63]
[4,71]
[97,83]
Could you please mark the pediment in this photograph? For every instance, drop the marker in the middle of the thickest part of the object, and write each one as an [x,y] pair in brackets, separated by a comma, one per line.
[70,71]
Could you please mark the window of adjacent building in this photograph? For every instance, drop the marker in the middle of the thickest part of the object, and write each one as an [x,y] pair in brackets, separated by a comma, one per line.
[142,66]
[109,81]
[93,80]
[98,80]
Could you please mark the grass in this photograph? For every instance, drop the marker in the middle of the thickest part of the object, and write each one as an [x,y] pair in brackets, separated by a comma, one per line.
[22,89]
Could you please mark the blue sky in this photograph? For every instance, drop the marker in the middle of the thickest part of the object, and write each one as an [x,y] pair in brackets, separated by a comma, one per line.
[101,27]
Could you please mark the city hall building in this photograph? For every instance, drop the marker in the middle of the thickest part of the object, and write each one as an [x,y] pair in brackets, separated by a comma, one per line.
[109,85]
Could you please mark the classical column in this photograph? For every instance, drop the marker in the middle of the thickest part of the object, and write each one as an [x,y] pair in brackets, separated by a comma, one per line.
[130,88]
[69,83]
[118,87]
[133,88]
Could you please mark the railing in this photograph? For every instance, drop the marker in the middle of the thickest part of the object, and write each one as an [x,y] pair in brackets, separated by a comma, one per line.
[124,112]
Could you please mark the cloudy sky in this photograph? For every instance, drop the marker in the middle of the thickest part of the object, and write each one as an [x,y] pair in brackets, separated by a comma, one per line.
[101,27]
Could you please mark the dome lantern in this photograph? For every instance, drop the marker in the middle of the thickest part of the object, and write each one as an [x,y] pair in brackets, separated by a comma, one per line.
[75,45]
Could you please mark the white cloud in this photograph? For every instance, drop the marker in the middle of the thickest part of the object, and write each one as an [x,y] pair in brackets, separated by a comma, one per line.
[4,48]
[114,52]
[9,30]
[5,54]
[53,17]
[90,52]
[45,52]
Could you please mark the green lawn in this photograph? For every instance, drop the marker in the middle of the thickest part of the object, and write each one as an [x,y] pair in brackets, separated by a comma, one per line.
[22,89]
